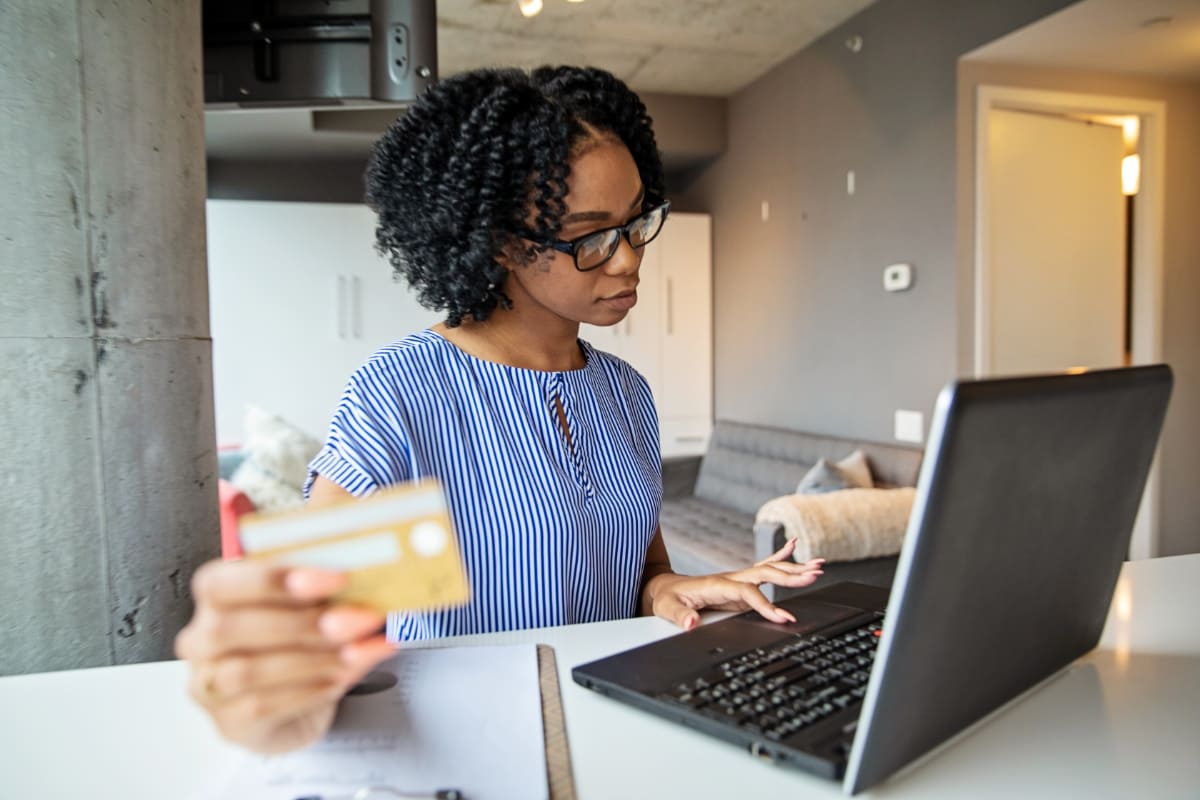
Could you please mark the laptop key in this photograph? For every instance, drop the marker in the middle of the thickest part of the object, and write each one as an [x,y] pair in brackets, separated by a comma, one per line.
[738,715]
[857,678]
[708,679]
[689,700]
[774,683]
[780,666]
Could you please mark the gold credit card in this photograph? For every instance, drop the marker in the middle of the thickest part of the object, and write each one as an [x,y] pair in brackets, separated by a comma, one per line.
[397,546]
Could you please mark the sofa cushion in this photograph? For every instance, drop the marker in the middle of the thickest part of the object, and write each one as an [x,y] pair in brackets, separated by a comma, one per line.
[276,464]
[826,476]
[704,537]
[747,465]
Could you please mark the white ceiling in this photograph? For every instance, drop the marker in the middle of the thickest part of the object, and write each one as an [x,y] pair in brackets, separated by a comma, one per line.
[692,47]
[706,47]
[1109,36]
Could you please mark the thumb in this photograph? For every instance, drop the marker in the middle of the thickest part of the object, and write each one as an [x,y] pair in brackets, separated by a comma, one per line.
[782,554]
[668,606]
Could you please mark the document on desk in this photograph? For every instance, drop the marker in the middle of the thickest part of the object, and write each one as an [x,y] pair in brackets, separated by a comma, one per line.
[466,718]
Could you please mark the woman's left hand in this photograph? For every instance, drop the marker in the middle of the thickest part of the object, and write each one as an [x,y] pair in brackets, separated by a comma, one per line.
[679,598]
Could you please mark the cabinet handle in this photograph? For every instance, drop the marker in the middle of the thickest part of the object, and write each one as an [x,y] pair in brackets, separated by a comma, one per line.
[341,306]
[670,309]
[689,438]
[356,307]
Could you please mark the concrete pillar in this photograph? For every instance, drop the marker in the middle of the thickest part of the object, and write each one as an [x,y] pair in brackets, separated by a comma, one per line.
[107,443]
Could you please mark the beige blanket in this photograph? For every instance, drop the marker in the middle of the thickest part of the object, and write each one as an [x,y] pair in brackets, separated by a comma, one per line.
[846,525]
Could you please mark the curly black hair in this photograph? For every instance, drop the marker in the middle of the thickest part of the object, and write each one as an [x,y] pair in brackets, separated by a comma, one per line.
[454,179]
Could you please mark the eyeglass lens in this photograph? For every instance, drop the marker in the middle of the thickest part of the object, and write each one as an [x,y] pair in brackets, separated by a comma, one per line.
[595,250]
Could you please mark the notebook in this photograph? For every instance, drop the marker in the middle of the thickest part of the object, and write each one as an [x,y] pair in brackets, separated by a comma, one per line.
[413,727]
[1025,506]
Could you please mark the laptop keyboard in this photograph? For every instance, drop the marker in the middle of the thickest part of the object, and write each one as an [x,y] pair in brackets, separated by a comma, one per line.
[780,690]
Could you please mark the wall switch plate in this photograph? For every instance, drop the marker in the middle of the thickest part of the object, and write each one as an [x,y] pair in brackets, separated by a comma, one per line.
[910,426]
[897,277]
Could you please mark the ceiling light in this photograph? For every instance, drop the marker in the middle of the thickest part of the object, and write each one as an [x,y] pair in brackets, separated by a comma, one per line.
[530,8]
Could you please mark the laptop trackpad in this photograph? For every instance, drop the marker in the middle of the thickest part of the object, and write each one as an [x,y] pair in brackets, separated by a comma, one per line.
[810,616]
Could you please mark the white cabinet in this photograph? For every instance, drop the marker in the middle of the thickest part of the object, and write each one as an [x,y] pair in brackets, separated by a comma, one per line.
[298,298]
[667,336]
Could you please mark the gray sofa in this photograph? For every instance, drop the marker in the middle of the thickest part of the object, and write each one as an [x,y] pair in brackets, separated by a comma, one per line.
[710,502]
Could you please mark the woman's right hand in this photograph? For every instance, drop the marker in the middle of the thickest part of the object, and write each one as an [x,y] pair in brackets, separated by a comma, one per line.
[270,655]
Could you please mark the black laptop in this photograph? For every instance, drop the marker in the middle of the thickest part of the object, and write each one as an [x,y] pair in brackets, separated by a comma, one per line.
[1023,515]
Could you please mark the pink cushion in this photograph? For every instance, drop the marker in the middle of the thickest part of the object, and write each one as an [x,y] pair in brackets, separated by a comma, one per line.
[234,503]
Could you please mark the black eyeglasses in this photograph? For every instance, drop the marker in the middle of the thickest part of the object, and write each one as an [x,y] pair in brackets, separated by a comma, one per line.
[592,250]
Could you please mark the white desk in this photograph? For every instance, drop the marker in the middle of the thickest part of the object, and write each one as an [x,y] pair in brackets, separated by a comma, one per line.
[1122,722]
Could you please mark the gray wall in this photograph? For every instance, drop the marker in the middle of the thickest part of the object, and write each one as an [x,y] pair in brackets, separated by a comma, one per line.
[1179,503]
[805,336]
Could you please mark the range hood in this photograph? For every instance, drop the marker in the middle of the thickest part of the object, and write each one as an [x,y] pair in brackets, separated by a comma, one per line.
[317,53]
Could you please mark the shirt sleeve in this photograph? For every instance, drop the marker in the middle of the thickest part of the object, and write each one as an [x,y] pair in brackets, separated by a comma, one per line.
[367,446]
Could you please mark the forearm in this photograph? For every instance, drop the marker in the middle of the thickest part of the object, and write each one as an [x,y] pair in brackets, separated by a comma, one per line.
[656,573]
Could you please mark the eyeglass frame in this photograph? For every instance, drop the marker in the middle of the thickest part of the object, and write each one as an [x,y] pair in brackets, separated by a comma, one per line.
[571,247]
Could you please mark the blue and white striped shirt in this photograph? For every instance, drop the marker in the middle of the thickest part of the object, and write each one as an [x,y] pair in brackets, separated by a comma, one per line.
[551,533]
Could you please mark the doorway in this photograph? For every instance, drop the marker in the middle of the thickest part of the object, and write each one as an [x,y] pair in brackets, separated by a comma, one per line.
[1075,257]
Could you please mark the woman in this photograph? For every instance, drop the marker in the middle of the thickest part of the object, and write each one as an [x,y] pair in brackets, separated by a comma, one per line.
[518,205]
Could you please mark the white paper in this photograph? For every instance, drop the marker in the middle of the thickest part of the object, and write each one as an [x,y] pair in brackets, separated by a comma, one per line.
[466,718]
